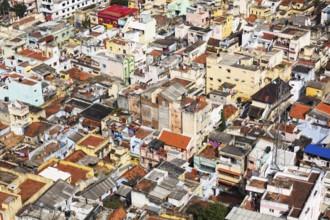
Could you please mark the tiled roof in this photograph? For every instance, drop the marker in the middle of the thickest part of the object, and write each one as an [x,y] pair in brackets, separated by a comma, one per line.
[93,141]
[323,108]
[136,172]
[229,110]
[118,214]
[35,128]
[174,139]
[269,93]
[77,74]
[29,187]
[299,111]
[76,156]
[287,128]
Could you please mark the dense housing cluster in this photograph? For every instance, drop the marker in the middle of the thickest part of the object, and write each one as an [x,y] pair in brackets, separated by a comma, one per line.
[164,109]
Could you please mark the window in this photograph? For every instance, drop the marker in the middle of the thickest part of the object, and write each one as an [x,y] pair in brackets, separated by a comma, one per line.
[271,210]
[219,80]
[36,100]
[35,90]
[104,66]
[63,4]
[211,78]
[228,70]
[124,51]
[228,77]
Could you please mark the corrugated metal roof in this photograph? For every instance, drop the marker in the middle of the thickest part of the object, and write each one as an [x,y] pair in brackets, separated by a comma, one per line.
[317,151]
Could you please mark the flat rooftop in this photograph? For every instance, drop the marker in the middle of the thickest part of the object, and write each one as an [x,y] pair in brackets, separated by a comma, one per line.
[92,141]
[28,188]
[298,197]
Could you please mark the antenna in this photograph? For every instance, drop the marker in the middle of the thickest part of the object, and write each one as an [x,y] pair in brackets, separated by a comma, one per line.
[278,141]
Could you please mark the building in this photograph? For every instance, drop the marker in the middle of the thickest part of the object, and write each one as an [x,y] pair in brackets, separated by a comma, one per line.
[325,16]
[269,98]
[112,14]
[19,117]
[177,145]
[237,70]
[232,164]
[56,10]
[94,145]
[284,194]
[291,40]
[17,87]
[99,190]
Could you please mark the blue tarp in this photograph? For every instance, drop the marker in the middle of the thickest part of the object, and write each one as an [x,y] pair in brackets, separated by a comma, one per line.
[318,151]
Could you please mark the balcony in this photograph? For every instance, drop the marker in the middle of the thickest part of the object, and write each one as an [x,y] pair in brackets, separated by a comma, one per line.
[282,44]
[47,2]
[235,169]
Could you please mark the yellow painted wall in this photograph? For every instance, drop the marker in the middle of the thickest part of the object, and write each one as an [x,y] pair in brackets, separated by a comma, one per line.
[313,92]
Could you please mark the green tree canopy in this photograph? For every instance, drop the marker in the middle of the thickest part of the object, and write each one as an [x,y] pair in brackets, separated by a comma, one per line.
[19,9]
[119,2]
[215,211]
[222,125]
[4,7]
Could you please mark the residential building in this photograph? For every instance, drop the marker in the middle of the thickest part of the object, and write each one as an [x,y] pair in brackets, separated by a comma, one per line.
[291,40]
[325,16]
[274,95]
[238,70]
[56,10]
[284,189]
[110,16]
[232,164]
[18,87]
[94,145]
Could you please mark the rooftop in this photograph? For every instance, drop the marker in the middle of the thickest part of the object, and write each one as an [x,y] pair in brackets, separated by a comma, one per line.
[92,141]
[209,152]
[174,139]
[28,188]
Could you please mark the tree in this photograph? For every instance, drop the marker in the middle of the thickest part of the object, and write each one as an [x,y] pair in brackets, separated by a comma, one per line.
[215,211]
[4,7]
[317,3]
[86,23]
[119,2]
[222,125]
[20,9]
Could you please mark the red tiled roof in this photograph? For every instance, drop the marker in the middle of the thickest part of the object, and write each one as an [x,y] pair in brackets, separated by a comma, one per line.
[251,18]
[28,188]
[117,11]
[229,110]
[93,141]
[75,156]
[299,111]
[136,172]
[174,139]
[323,108]
[75,172]
[24,21]
[33,54]
[156,53]
[268,36]
[36,128]
[53,107]
[287,128]
[201,59]
[118,214]
[77,74]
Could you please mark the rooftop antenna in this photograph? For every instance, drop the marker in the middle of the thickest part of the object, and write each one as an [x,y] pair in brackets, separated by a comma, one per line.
[277,145]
